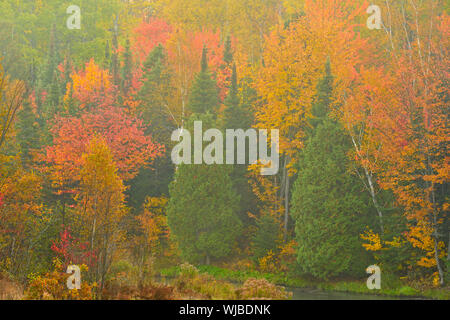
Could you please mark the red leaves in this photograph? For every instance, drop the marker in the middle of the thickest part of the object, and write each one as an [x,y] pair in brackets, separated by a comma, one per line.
[98,114]
[124,134]
[72,250]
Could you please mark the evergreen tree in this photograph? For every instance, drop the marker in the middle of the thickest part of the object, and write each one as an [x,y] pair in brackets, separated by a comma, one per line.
[266,236]
[236,117]
[202,209]
[126,69]
[27,132]
[114,59]
[204,95]
[156,93]
[107,61]
[322,101]
[52,60]
[329,204]
[228,52]
[54,95]
[67,74]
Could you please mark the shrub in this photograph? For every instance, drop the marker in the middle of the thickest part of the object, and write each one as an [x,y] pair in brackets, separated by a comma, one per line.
[188,271]
[53,286]
[259,289]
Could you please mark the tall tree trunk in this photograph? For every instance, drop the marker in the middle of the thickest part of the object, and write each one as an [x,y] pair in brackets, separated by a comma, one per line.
[286,198]
[435,223]
[374,198]
[370,186]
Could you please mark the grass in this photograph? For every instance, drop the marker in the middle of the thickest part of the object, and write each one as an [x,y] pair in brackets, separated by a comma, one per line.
[9,289]
[206,285]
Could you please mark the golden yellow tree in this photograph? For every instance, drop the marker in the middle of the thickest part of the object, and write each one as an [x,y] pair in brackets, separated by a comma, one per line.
[100,206]
[293,61]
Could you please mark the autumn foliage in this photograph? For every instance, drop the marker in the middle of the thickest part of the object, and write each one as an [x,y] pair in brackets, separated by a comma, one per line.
[86,122]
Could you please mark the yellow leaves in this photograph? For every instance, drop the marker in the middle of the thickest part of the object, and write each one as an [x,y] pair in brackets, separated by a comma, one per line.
[374,241]
[396,243]
[286,86]
[153,221]
[99,171]
[101,198]
[53,286]
[88,82]
[420,236]
[436,282]
[276,262]
[11,95]
[266,190]
[268,262]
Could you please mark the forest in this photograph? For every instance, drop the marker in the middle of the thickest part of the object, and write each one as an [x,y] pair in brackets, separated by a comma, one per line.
[92,91]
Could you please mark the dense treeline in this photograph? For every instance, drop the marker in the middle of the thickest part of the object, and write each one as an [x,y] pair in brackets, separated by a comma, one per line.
[87,115]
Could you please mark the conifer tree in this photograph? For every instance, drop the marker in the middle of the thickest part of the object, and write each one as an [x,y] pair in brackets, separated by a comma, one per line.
[107,55]
[329,204]
[126,69]
[202,208]
[155,94]
[204,94]
[114,59]
[228,52]
[236,117]
[322,101]
[27,132]
[266,236]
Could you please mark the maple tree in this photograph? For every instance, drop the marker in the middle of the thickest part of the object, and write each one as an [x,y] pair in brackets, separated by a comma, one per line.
[124,133]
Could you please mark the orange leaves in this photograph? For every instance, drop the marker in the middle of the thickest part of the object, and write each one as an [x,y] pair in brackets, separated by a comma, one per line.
[149,34]
[185,51]
[397,114]
[89,83]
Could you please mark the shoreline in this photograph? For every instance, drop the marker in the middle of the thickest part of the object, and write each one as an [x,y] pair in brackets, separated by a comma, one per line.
[298,283]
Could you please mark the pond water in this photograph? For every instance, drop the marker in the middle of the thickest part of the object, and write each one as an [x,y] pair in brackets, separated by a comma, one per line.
[316,294]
